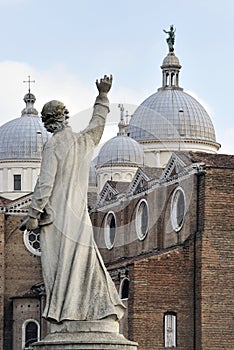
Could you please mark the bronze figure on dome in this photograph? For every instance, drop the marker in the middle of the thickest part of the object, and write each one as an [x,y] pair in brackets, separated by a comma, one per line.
[171,38]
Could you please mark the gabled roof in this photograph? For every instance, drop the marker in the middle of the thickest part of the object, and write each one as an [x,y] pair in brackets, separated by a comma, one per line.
[107,193]
[174,166]
[139,182]
[18,206]
[213,160]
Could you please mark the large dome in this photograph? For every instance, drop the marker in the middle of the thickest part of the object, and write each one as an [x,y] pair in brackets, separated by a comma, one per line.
[120,150]
[169,114]
[23,138]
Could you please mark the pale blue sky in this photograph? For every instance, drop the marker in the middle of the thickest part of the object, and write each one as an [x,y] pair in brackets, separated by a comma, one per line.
[66,45]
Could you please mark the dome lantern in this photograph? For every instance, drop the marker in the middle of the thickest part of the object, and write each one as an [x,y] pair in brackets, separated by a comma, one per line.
[171,65]
[29,99]
[122,124]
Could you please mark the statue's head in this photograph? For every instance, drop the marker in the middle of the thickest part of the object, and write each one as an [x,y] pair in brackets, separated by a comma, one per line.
[54,115]
[172,27]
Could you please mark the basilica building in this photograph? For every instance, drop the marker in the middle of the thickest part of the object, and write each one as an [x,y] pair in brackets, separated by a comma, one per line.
[161,201]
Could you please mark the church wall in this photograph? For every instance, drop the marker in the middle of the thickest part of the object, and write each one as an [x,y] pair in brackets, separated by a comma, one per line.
[24,309]
[218,260]
[2,278]
[22,270]
[158,284]
[160,233]
[160,268]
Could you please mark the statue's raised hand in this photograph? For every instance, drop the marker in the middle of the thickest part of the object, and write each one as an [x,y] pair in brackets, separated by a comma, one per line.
[104,85]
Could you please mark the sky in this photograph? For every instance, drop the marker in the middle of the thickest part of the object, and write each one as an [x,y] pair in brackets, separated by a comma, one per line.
[66,45]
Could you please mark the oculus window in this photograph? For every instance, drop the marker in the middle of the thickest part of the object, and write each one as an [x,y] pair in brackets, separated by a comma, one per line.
[178,206]
[142,219]
[32,241]
[110,229]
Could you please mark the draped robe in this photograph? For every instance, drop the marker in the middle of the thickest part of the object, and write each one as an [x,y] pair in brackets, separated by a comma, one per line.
[77,284]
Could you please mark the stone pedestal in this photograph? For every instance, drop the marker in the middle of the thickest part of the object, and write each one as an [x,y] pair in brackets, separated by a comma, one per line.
[85,335]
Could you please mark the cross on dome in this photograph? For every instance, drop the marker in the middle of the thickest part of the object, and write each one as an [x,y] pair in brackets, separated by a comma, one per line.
[29,82]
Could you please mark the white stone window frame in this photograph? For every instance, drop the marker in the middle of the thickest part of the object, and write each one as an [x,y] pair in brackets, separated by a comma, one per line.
[137,225]
[108,242]
[174,202]
[24,331]
[170,330]
[28,245]
[121,288]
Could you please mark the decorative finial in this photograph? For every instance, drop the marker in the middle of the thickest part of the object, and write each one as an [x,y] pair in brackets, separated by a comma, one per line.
[29,82]
[29,99]
[171,38]
[122,125]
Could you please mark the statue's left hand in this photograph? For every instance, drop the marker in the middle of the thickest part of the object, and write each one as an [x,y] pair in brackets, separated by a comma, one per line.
[104,85]
[31,224]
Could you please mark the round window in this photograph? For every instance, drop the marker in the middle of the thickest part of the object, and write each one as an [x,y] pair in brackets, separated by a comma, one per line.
[178,206]
[110,229]
[32,241]
[142,219]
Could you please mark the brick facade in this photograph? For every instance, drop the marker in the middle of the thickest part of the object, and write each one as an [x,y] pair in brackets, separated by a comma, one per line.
[188,273]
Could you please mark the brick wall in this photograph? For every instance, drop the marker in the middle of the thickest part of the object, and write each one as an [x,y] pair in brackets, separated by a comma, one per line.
[22,270]
[217,300]
[163,283]
[2,278]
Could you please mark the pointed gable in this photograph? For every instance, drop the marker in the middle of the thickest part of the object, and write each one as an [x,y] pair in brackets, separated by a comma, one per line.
[174,167]
[139,182]
[107,193]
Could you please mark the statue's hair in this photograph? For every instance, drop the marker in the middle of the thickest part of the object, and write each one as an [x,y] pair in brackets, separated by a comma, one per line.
[54,111]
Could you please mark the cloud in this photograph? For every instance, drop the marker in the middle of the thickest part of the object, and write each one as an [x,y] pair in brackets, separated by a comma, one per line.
[55,83]
[58,83]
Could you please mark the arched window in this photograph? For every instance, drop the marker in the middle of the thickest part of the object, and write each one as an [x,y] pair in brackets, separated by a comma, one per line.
[116,177]
[124,288]
[30,333]
[110,229]
[170,330]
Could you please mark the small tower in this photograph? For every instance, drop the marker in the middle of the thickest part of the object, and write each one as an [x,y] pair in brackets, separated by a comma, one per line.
[120,157]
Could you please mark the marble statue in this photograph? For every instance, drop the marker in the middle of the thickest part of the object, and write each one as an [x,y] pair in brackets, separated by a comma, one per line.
[171,38]
[77,284]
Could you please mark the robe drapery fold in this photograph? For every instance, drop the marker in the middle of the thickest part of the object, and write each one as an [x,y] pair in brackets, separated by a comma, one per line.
[77,284]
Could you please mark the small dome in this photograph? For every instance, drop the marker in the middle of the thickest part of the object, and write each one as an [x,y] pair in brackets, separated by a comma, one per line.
[170,60]
[159,118]
[120,150]
[23,138]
